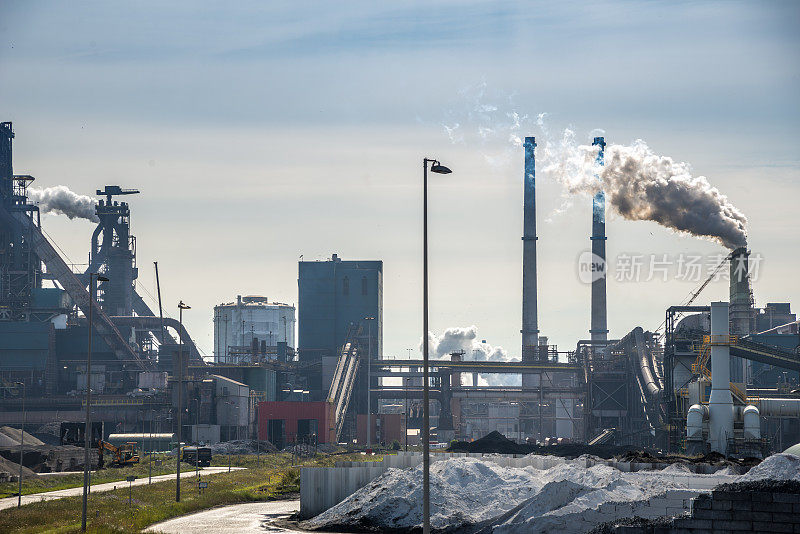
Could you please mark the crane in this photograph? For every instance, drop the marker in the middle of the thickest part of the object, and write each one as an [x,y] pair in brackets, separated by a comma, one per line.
[699,290]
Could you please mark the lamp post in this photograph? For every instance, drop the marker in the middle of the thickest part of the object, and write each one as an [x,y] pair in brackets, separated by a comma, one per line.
[93,279]
[21,441]
[181,307]
[150,455]
[405,408]
[437,168]
[196,438]
[369,379]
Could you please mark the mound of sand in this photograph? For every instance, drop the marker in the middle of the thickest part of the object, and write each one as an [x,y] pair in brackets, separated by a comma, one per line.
[15,434]
[7,466]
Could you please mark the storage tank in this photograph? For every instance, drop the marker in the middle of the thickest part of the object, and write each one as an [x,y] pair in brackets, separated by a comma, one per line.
[252,324]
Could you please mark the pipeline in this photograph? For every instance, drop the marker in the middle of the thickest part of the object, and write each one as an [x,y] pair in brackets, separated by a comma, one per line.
[154,325]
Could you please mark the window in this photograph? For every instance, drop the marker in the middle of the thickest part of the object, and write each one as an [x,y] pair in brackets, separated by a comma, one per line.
[363,285]
[346,286]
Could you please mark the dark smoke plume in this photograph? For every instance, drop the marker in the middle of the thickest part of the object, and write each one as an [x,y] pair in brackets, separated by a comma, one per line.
[643,186]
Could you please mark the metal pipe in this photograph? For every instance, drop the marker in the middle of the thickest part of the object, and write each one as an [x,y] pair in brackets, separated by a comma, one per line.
[694,421]
[752,423]
[777,407]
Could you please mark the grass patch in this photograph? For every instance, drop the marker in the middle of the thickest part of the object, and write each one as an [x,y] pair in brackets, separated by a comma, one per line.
[111,512]
[45,483]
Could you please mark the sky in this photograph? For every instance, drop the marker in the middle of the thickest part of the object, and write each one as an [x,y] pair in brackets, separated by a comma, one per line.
[258,132]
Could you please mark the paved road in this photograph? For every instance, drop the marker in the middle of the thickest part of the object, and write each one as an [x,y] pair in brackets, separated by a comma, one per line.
[10,502]
[235,519]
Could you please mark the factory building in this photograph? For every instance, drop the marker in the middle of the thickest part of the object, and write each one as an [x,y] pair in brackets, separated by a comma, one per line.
[253,325]
[338,301]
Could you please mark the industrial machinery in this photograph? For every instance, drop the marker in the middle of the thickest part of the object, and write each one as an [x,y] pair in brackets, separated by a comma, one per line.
[200,456]
[125,454]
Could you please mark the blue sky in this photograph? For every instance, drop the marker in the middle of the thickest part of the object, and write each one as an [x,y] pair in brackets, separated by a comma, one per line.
[258,132]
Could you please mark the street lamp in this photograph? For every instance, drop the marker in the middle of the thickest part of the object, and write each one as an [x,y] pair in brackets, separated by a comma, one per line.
[369,379]
[21,441]
[437,168]
[181,307]
[93,279]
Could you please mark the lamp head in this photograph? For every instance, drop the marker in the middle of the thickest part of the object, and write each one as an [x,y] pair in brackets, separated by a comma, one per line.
[438,168]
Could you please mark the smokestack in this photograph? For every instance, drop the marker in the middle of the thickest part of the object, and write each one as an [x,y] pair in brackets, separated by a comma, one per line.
[741,307]
[599,321]
[530,319]
[720,403]
[530,322]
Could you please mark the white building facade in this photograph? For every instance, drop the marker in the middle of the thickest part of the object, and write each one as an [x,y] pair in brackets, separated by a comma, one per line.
[251,321]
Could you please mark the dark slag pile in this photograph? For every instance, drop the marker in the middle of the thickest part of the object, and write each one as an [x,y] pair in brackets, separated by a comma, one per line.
[497,443]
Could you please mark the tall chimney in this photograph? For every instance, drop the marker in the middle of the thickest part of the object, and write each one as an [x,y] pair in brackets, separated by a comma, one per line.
[599,320]
[741,310]
[530,322]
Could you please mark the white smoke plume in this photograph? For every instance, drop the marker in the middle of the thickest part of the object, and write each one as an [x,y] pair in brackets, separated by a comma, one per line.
[466,339]
[61,200]
[641,185]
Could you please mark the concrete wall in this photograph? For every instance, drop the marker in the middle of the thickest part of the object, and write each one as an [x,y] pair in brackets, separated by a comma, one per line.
[324,487]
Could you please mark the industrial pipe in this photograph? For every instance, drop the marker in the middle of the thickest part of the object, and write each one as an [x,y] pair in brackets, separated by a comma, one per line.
[720,402]
[779,407]
[752,424]
[644,364]
[694,422]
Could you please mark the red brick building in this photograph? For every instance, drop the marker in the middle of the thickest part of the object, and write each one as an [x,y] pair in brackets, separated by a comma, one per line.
[284,422]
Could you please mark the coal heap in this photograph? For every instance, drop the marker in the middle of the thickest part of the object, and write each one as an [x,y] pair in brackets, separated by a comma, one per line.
[497,443]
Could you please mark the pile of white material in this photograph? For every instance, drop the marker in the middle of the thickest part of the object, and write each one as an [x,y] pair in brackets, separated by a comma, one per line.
[776,467]
[468,491]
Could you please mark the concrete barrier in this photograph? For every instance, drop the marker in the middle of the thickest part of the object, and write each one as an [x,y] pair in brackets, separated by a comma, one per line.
[324,487]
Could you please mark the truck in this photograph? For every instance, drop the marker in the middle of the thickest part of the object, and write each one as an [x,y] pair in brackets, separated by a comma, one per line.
[200,456]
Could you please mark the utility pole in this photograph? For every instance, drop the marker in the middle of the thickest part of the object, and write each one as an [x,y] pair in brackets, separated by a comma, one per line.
[369,380]
[93,279]
[181,307]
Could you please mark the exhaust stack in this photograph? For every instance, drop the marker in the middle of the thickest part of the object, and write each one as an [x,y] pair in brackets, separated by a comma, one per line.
[599,320]
[720,402]
[741,311]
[530,321]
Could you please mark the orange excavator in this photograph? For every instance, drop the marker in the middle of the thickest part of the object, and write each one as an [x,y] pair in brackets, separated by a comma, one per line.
[125,454]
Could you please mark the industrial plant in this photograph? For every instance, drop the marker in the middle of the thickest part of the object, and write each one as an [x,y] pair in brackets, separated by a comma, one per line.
[717,376]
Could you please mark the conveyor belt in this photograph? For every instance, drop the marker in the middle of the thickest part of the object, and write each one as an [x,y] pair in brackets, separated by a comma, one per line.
[768,354]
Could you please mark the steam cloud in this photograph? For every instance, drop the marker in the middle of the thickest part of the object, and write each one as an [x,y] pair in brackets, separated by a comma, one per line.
[643,186]
[61,200]
[466,339]
[639,184]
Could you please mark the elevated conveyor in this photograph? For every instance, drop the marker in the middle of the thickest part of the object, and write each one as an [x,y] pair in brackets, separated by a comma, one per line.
[344,379]
[768,354]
